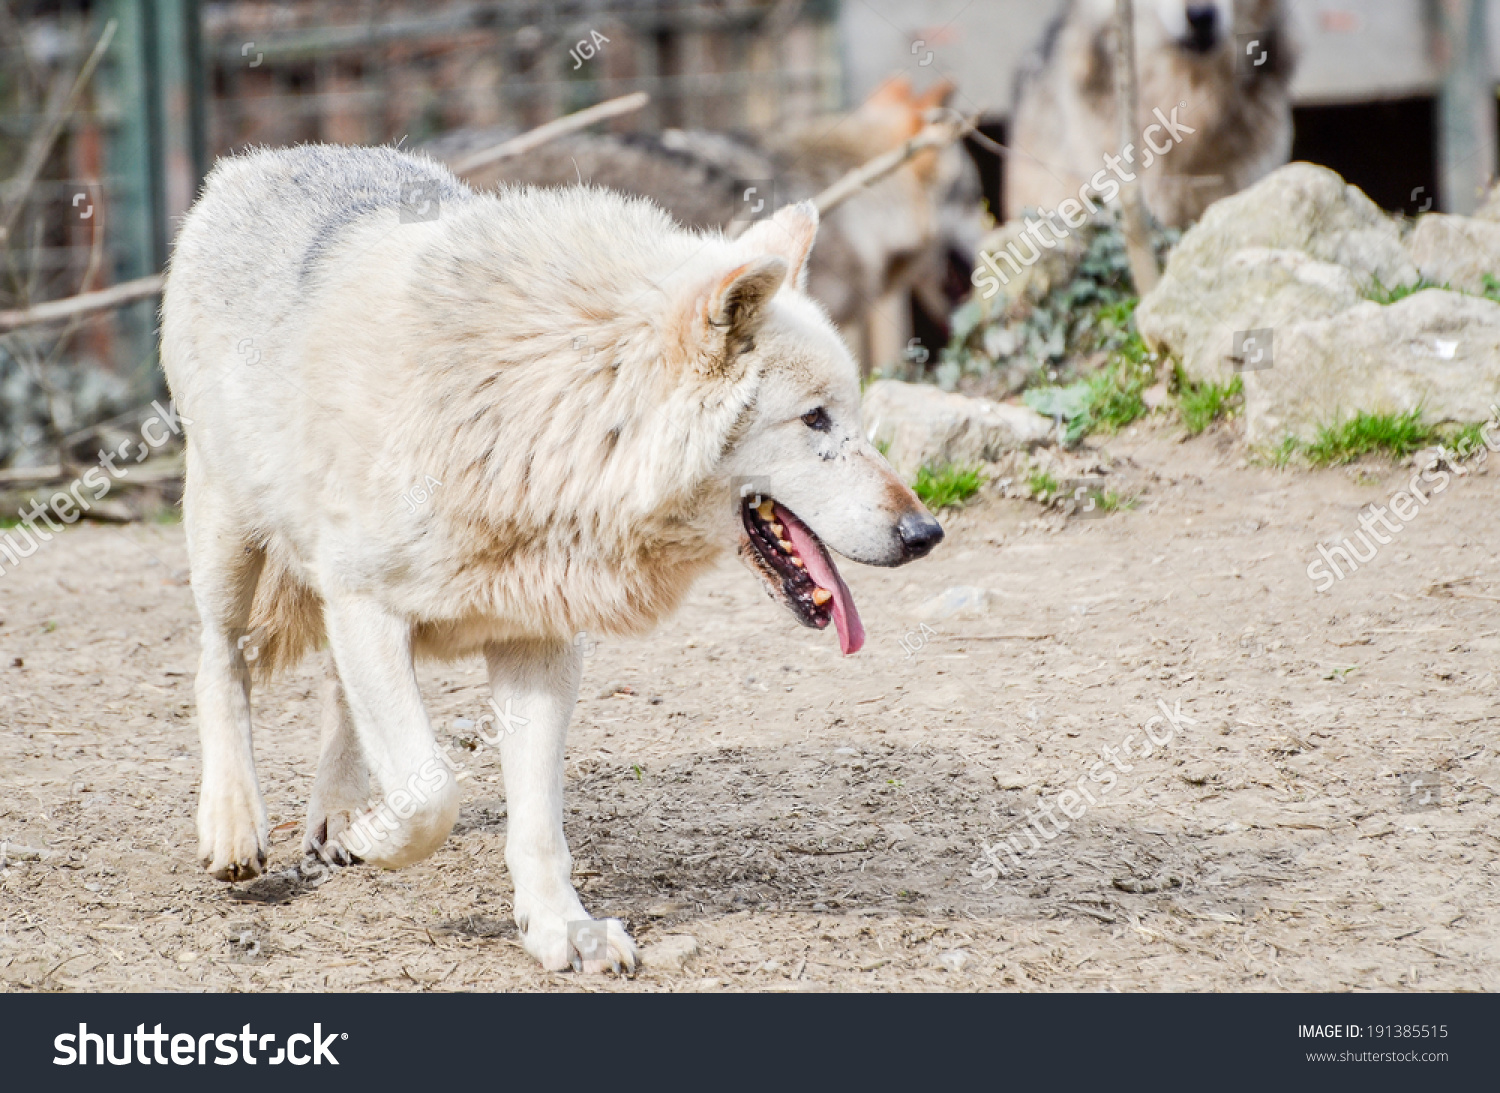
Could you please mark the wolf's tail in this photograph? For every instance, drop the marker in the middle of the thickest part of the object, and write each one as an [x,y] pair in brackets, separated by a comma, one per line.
[286,619]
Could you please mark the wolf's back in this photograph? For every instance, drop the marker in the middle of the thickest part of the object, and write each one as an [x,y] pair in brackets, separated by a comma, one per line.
[267,219]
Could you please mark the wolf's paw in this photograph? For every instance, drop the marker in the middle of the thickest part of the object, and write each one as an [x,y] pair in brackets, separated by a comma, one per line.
[325,835]
[592,946]
[233,835]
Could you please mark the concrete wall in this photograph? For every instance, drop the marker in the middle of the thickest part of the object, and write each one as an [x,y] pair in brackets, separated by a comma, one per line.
[1353,50]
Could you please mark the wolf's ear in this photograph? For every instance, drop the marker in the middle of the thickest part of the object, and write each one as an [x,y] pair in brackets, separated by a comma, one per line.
[936,95]
[736,303]
[788,235]
[717,316]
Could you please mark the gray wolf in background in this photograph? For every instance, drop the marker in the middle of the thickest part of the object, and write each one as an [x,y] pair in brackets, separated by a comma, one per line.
[1186,53]
[894,238]
[596,404]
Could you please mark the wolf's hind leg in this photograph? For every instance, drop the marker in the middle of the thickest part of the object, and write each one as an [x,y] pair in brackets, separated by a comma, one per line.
[341,790]
[226,563]
[372,649]
[535,684]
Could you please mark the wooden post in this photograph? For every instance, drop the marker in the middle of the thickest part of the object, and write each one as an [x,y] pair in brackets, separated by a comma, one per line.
[1466,104]
[1133,219]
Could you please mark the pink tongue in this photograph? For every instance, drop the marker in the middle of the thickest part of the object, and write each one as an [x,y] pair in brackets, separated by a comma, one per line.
[821,569]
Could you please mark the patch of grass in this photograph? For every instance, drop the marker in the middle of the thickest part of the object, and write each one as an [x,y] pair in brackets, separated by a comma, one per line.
[1110,501]
[1202,403]
[1465,439]
[1398,434]
[1107,401]
[1489,289]
[1282,454]
[1387,296]
[1117,392]
[1040,483]
[944,487]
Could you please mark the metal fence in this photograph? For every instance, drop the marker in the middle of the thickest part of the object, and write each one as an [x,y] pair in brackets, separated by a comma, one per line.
[184,81]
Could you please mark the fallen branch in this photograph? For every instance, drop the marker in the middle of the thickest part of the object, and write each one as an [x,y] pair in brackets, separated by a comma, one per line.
[103,300]
[568,123]
[140,475]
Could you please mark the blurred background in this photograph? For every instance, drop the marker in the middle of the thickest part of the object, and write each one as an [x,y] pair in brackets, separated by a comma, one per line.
[112,111]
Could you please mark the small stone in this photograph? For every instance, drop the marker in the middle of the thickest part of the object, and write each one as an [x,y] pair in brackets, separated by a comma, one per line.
[671,953]
[954,960]
[960,601]
[1199,774]
[919,424]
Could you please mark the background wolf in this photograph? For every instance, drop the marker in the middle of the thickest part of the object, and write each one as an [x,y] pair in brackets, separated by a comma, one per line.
[894,238]
[581,385]
[1188,55]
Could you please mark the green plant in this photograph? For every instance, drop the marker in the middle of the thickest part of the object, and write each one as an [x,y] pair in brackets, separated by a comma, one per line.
[1040,483]
[1110,399]
[1201,403]
[1398,434]
[943,487]
[1385,296]
[1117,392]
[1491,290]
[1466,438]
[1089,313]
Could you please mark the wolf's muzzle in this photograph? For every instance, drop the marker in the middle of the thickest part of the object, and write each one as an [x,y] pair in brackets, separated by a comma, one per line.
[1203,27]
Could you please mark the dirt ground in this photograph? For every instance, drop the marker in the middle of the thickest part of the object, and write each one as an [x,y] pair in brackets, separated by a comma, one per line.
[819,823]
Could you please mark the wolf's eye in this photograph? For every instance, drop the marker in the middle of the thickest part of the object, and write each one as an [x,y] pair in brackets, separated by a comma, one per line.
[817,419]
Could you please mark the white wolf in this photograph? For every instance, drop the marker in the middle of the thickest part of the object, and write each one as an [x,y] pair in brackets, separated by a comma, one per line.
[594,402]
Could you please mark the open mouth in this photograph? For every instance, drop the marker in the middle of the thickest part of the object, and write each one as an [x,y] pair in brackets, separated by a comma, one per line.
[798,570]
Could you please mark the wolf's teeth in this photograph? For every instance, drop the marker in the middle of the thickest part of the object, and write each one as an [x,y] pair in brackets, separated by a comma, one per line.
[784,545]
[822,596]
[798,562]
[767,509]
[778,531]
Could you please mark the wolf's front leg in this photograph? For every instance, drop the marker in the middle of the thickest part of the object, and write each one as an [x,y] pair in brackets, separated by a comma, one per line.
[535,685]
[419,793]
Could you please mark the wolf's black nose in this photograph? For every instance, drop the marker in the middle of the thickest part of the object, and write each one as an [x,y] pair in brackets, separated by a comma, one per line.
[919,534]
[1203,22]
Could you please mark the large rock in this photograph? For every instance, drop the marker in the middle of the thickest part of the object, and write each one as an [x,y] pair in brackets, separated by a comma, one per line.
[1490,210]
[919,424]
[1456,250]
[1436,350]
[1299,245]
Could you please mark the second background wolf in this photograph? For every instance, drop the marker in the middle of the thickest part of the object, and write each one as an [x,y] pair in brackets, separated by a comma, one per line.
[1224,66]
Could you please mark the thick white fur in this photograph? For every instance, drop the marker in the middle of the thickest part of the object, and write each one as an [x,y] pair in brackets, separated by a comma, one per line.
[586,381]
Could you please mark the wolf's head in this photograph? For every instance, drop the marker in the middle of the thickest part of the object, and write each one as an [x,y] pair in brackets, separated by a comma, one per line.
[1200,28]
[798,480]
[1196,26]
